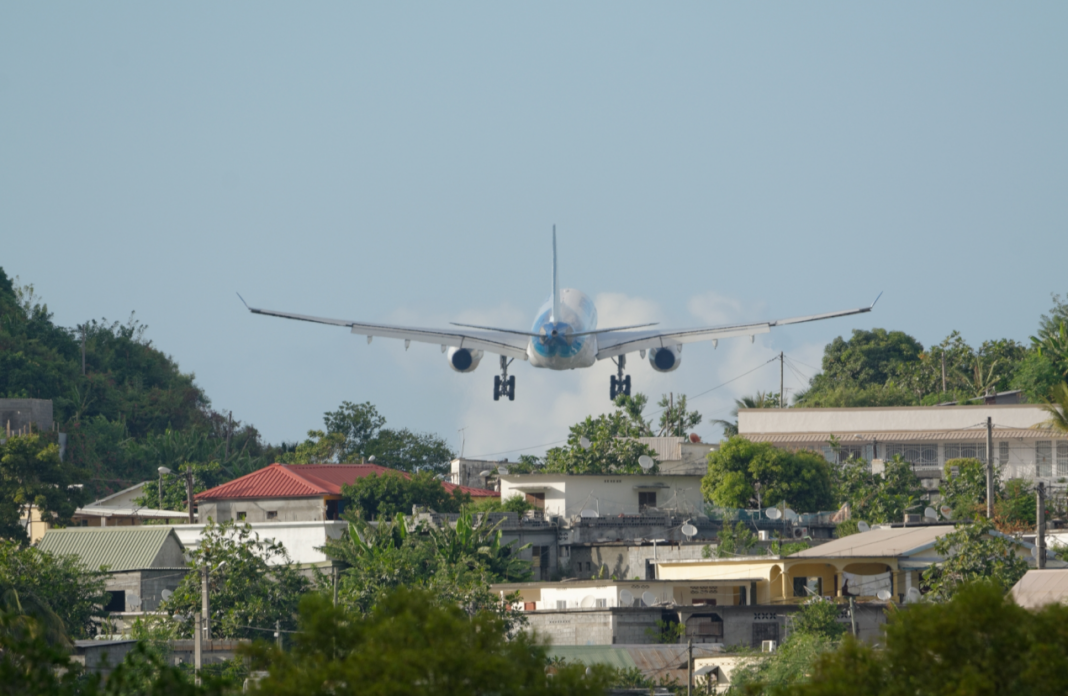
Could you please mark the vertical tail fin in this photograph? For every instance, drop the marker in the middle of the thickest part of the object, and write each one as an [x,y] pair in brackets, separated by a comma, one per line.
[556,283]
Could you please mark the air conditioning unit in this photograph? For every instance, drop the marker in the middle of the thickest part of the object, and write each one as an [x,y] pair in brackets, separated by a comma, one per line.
[800,532]
[768,646]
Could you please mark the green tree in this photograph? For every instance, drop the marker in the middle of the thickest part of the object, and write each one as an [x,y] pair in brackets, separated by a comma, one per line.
[1052,343]
[1057,408]
[979,642]
[517,504]
[411,644]
[878,498]
[175,496]
[974,552]
[252,584]
[319,448]
[1036,376]
[740,468]
[611,449]
[734,540]
[675,420]
[378,497]
[964,487]
[32,475]
[49,587]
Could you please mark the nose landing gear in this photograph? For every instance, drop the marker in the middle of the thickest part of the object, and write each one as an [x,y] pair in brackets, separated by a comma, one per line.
[620,384]
[503,385]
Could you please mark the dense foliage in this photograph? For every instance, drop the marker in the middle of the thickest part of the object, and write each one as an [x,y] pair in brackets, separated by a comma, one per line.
[878,498]
[357,432]
[411,644]
[455,563]
[56,591]
[974,552]
[382,497]
[742,473]
[252,584]
[32,475]
[979,642]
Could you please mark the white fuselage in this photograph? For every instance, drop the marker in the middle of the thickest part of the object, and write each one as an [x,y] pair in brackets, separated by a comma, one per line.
[557,349]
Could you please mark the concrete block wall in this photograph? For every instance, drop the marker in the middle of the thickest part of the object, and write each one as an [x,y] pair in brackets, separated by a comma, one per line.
[624,561]
[18,414]
[287,510]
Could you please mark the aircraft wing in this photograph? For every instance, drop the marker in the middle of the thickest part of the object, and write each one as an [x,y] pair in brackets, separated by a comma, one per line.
[616,343]
[512,346]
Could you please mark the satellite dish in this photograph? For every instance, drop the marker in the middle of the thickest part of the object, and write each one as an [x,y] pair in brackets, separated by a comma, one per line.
[626,599]
[930,514]
[863,526]
[946,511]
[180,617]
[884,595]
[645,462]
[790,515]
[589,513]
[371,458]
[584,442]
[486,474]
[166,594]
[649,598]
[502,470]
[689,530]
[773,513]
[588,602]
[133,601]
[913,595]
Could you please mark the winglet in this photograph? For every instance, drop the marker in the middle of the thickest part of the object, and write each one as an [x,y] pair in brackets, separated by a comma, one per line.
[243,302]
[876,300]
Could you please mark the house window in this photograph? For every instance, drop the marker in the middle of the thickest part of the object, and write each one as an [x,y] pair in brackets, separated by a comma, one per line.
[1044,458]
[966,450]
[334,509]
[116,601]
[1062,458]
[272,514]
[241,516]
[920,456]
[646,500]
[1003,453]
[808,587]
[764,631]
[537,500]
[540,561]
[561,604]
[601,603]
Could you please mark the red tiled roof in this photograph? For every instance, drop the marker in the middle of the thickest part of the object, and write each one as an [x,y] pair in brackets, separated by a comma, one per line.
[309,481]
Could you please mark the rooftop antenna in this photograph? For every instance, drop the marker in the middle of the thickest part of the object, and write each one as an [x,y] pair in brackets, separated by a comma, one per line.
[689,530]
[166,594]
[626,598]
[463,440]
[931,514]
[946,511]
[645,462]
[884,595]
[649,598]
[584,442]
[773,513]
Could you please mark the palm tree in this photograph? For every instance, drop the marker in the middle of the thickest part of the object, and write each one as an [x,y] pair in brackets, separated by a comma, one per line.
[761,400]
[1057,408]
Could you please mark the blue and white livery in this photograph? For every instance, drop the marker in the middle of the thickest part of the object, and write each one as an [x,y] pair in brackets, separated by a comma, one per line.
[564,336]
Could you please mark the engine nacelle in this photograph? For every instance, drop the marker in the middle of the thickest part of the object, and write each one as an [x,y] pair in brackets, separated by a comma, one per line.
[464,359]
[665,359]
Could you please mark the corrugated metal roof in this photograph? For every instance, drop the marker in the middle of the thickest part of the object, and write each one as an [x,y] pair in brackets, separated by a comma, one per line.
[878,543]
[308,481]
[905,436]
[1037,588]
[117,548]
[668,449]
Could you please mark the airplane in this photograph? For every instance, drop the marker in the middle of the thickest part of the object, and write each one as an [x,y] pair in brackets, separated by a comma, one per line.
[564,337]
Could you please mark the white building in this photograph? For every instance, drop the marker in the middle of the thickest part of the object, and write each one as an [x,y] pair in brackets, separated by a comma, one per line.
[605,495]
[302,540]
[927,436]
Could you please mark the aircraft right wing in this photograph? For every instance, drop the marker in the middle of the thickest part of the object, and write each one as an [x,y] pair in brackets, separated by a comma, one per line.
[612,344]
[512,346]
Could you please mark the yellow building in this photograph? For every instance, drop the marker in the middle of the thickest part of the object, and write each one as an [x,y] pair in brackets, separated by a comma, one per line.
[883,561]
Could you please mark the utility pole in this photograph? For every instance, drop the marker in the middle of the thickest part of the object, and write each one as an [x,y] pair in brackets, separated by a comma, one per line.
[189,494]
[852,618]
[278,633]
[335,569]
[989,468]
[197,645]
[689,666]
[229,432]
[205,603]
[1040,530]
[943,372]
[83,349]
[782,398]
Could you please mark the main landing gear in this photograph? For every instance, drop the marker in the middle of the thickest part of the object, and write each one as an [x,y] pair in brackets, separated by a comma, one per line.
[503,385]
[621,383]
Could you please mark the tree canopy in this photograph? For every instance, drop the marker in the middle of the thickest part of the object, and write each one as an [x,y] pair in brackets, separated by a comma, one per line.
[878,498]
[382,497]
[32,475]
[741,469]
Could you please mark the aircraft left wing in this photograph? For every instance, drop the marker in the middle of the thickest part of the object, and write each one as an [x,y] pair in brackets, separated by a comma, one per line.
[511,346]
[616,343]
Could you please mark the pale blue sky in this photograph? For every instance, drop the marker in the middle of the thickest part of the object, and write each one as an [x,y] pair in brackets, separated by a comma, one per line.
[402,162]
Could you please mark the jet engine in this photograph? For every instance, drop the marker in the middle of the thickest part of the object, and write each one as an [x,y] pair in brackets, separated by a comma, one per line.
[665,359]
[464,359]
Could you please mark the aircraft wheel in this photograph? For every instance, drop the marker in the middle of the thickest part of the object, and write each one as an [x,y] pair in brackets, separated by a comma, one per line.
[626,385]
[511,388]
[497,388]
[614,389]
